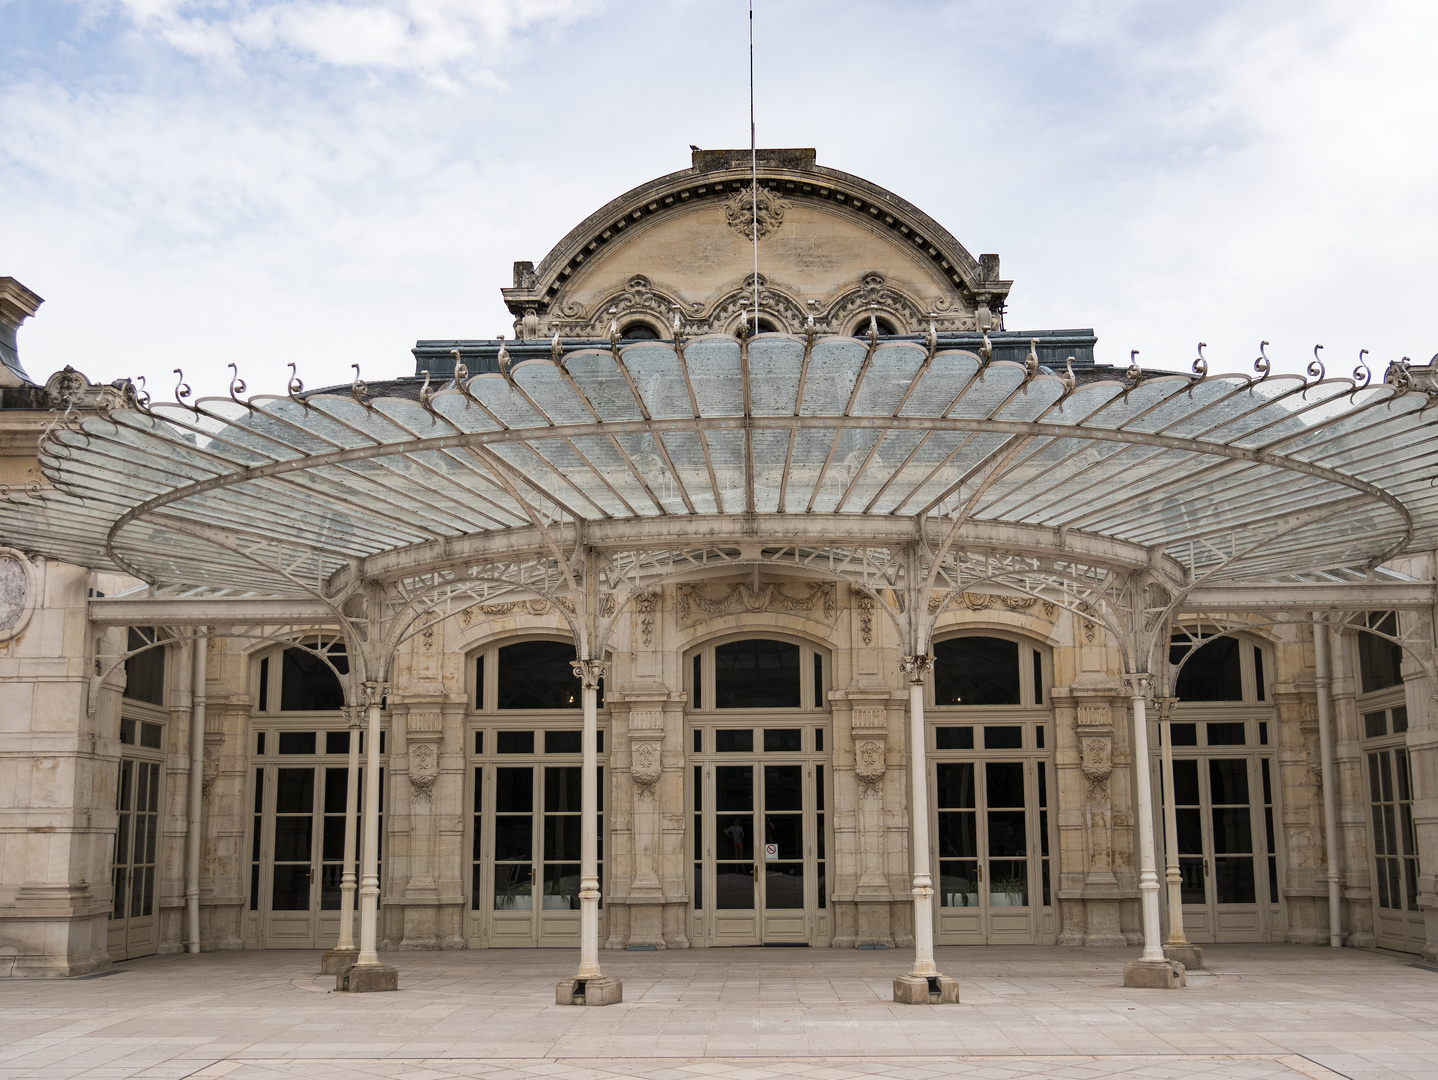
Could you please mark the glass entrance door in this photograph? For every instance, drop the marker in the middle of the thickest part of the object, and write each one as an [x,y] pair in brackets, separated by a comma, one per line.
[991,848]
[1398,921]
[1225,846]
[133,914]
[759,841]
[525,874]
[297,838]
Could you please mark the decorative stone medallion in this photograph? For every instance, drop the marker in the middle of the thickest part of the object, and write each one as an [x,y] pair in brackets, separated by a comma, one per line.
[15,592]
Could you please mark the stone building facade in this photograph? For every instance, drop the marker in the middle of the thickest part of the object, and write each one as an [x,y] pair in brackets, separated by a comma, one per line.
[756,758]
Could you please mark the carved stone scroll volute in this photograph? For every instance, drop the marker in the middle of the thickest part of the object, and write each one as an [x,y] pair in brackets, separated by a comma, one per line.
[869,766]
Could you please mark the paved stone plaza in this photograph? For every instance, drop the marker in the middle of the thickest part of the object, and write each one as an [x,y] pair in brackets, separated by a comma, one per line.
[1262,1011]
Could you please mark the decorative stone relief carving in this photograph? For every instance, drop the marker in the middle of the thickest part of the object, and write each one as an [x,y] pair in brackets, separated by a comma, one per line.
[645,767]
[423,769]
[1096,763]
[534,605]
[645,605]
[209,771]
[984,601]
[740,212]
[18,592]
[869,767]
[865,603]
[696,602]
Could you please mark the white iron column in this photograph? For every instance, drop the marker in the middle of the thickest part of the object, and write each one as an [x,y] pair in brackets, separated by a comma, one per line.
[1177,939]
[917,668]
[1137,686]
[369,882]
[199,648]
[347,880]
[589,672]
[1324,682]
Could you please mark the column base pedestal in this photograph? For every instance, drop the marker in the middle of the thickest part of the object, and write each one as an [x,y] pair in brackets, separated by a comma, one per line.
[336,960]
[368,978]
[1190,956]
[930,990]
[1154,975]
[597,991]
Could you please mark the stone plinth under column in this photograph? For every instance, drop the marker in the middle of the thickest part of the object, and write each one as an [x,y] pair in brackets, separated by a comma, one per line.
[599,991]
[1154,975]
[933,990]
[336,960]
[368,978]
[1190,956]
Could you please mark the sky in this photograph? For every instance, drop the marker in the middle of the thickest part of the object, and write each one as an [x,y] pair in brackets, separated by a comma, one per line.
[198,183]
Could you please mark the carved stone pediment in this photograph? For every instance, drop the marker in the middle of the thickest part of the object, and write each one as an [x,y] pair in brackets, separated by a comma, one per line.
[817,600]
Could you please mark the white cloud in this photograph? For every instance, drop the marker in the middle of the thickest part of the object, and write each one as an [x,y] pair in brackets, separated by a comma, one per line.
[362,33]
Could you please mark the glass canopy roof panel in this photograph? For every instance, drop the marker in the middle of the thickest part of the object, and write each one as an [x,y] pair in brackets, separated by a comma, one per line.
[894,450]
[1142,407]
[657,376]
[713,363]
[850,453]
[465,415]
[969,456]
[983,396]
[644,453]
[924,461]
[1083,403]
[505,402]
[775,364]
[614,465]
[834,365]
[1031,402]
[545,483]
[940,385]
[811,450]
[365,426]
[771,455]
[686,451]
[888,378]
[726,449]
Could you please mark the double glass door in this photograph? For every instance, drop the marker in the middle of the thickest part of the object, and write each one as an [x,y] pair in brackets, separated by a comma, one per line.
[759,867]
[297,852]
[1227,856]
[992,851]
[133,915]
[525,873]
[1398,921]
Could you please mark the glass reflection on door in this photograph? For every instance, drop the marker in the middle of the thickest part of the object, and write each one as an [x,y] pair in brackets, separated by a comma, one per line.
[734,837]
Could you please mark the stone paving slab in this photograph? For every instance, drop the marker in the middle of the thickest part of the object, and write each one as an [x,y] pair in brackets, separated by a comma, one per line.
[1259,1011]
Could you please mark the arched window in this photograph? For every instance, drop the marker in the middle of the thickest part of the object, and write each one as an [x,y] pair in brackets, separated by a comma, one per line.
[297,680]
[145,671]
[757,673]
[1222,669]
[886,327]
[1380,661]
[537,673]
[978,670]
[639,331]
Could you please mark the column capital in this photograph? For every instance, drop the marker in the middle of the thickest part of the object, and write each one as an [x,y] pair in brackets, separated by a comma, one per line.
[916,666]
[373,692]
[1165,707]
[589,672]
[1137,684]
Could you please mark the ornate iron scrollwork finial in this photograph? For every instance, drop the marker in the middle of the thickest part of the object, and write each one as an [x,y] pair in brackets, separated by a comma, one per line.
[237,385]
[986,348]
[678,327]
[931,340]
[295,386]
[1200,366]
[426,392]
[1262,365]
[358,389]
[182,388]
[1070,381]
[1134,372]
[503,360]
[1031,361]
[1315,369]
[1362,374]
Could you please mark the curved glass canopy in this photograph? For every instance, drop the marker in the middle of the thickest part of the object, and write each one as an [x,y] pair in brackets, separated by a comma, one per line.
[1233,478]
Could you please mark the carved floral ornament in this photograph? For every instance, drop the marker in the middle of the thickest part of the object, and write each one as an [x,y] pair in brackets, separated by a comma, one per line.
[869,767]
[645,767]
[989,601]
[1096,763]
[423,769]
[697,602]
[741,213]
